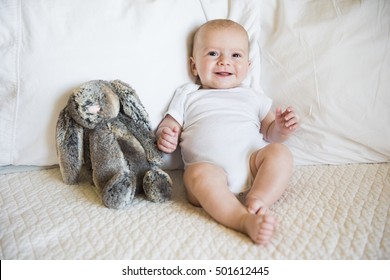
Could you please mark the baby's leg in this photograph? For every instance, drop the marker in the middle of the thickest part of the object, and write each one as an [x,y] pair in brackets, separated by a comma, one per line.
[271,168]
[207,187]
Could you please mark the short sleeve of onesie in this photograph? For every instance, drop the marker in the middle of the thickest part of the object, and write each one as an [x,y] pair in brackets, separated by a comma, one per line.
[176,107]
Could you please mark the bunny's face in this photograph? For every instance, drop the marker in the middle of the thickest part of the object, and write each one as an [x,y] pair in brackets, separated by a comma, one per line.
[92,104]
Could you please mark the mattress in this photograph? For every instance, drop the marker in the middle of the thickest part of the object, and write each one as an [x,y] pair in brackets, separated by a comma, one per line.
[327,212]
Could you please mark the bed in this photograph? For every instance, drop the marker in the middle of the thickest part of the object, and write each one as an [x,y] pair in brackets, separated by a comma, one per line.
[328,212]
[328,59]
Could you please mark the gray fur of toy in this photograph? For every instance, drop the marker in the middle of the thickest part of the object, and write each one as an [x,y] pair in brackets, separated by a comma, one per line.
[105,127]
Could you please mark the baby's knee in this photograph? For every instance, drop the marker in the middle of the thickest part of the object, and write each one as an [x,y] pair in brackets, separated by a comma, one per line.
[192,199]
[280,151]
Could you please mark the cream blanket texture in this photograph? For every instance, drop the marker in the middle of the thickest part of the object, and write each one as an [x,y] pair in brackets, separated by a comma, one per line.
[328,212]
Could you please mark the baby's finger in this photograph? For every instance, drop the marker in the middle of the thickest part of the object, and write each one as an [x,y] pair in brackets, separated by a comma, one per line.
[169,142]
[166,146]
[175,130]
[288,116]
[168,131]
[278,112]
[288,124]
[291,121]
[289,109]
[293,126]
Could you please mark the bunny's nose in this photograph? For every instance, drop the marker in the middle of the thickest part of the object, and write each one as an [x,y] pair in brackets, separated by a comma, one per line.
[93,109]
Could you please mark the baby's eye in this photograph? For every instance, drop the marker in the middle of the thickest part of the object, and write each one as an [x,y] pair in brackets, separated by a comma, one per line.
[213,53]
[237,55]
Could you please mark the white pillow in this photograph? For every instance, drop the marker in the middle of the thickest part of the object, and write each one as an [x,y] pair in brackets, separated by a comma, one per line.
[331,61]
[50,47]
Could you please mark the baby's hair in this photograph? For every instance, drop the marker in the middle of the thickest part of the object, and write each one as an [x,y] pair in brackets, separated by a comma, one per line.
[219,24]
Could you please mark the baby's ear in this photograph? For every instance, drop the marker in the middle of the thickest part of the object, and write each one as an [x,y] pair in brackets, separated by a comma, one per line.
[194,71]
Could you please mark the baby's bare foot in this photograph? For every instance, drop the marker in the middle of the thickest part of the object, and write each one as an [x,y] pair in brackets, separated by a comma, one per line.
[259,228]
[256,205]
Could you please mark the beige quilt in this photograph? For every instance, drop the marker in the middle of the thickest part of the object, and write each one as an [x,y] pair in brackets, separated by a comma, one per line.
[328,212]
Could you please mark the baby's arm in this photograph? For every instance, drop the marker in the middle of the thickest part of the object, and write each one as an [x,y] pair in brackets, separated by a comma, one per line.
[279,126]
[167,134]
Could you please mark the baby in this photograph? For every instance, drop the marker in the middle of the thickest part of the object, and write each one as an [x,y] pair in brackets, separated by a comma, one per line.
[235,164]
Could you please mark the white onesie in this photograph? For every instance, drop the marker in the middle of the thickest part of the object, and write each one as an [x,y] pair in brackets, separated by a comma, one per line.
[220,126]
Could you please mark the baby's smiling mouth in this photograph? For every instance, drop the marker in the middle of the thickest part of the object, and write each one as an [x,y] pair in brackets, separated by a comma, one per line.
[223,73]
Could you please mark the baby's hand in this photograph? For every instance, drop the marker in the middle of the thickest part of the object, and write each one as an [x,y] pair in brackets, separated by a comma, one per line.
[286,122]
[168,139]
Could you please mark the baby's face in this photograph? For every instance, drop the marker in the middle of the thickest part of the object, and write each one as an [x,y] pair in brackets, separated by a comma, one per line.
[221,57]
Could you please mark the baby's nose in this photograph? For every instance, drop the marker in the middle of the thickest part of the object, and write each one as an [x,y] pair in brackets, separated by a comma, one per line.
[223,60]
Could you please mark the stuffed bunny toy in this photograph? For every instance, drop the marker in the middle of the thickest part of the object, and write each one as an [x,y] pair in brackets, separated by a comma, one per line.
[105,127]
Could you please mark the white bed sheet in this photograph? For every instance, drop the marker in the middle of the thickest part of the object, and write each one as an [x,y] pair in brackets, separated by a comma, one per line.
[328,212]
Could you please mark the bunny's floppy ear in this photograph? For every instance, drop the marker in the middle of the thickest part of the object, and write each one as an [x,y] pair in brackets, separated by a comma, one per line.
[69,139]
[131,104]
